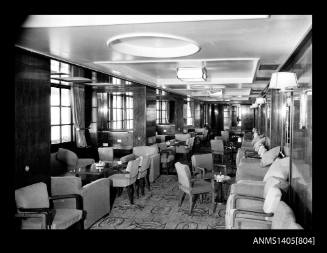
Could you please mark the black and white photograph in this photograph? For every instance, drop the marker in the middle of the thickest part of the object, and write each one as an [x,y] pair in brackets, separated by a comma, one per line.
[164,122]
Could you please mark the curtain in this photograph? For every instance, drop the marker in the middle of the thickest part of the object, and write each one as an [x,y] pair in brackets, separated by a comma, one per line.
[78,101]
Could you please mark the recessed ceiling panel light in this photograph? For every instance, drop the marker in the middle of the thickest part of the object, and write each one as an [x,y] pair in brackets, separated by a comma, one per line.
[153,45]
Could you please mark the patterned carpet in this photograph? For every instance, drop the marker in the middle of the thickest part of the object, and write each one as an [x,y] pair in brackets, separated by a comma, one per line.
[158,209]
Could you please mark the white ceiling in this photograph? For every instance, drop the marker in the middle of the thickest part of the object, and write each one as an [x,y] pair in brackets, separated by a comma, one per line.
[231,50]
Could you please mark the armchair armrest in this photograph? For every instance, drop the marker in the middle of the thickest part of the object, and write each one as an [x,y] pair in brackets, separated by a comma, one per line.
[127,158]
[202,170]
[46,214]
[240,196]
[262,224]
[77,197]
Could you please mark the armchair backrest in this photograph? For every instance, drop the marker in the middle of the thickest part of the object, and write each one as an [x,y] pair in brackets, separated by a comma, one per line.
[203,160]
[182,137]
[225,135]
[68,157]
[145,164]
[66,185]
[162,146]
[217,145]
[133,167]
[106,153]
[32,196]
[145,150]
[184,175]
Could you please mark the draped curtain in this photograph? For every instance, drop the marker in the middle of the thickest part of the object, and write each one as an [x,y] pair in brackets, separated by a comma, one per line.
[78,101]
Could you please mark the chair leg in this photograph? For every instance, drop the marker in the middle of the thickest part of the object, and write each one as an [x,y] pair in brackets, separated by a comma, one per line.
[130,191]
[181,199]
[191,203]
[147,180]
[142,183]
[119,191]
[137,186]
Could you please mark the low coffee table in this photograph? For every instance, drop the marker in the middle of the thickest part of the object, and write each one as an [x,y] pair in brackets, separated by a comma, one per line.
[218,191]
[90,173]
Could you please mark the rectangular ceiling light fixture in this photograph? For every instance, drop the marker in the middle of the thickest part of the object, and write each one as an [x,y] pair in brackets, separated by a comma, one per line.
[192,74]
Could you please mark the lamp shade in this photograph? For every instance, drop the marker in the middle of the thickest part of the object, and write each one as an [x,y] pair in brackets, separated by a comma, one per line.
[283,80]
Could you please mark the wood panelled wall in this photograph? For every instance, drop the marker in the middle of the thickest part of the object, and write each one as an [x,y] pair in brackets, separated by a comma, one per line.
[276,118]
[151,113]
[247,118]
[32,118]
[140,116]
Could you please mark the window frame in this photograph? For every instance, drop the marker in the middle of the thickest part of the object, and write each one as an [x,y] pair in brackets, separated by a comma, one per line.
[162,113]
[58,84]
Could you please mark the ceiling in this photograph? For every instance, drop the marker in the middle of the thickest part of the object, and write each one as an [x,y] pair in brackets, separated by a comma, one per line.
[239,54]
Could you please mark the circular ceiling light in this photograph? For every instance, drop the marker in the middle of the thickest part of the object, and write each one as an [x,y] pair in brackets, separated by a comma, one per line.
[153,45]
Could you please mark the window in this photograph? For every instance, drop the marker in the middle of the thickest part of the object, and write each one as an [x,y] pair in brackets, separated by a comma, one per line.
[122,110]
[162,112]
[189,119]
[227,117]
[60,102]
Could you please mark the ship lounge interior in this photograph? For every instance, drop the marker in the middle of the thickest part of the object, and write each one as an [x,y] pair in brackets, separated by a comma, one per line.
[163,122]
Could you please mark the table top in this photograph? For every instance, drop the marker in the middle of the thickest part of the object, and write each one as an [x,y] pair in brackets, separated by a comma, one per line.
[93,170]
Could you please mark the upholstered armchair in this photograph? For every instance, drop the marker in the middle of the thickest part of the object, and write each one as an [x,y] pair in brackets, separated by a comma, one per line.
[151,151]
[217,148]
[35,209]
[182,137]
[96,196]
[202,133]
[225,135]
[167,156]
[65,160]
[143,170]
[106,154]
[127,178]
[187,149]
[257,209]
[283,218]
[192,187]
[203,164]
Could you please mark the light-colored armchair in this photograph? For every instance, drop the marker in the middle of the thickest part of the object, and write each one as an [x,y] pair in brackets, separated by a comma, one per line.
[187,149]
[96,196]
[202,164]
[217,148]
[65,160]
[182,137]
[128,178]
[35,211]
[151,151]
[167,156]
[259,209]
[190,186]
[283,218]
[202,133]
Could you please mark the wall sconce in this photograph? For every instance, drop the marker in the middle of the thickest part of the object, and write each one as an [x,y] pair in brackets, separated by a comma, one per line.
[283,81]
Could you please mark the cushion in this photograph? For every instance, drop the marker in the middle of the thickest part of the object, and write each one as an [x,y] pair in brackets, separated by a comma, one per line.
[272,181]
[261,150]
[283,217]
[272,200]
[127,158]
[260,142]
[67,156]
[255,138]
[279,168]
[268,157]
[32,196]
[64,218]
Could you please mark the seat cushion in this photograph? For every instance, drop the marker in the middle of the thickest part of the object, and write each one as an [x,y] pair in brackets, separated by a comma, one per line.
[65,218]
[201,186]
[272,200]
[120,180]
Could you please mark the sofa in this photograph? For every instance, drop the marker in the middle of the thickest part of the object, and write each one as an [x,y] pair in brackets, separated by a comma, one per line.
[151,151]
[96,196]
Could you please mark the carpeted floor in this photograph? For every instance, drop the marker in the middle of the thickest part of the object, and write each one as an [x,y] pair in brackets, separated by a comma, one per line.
[158,209]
